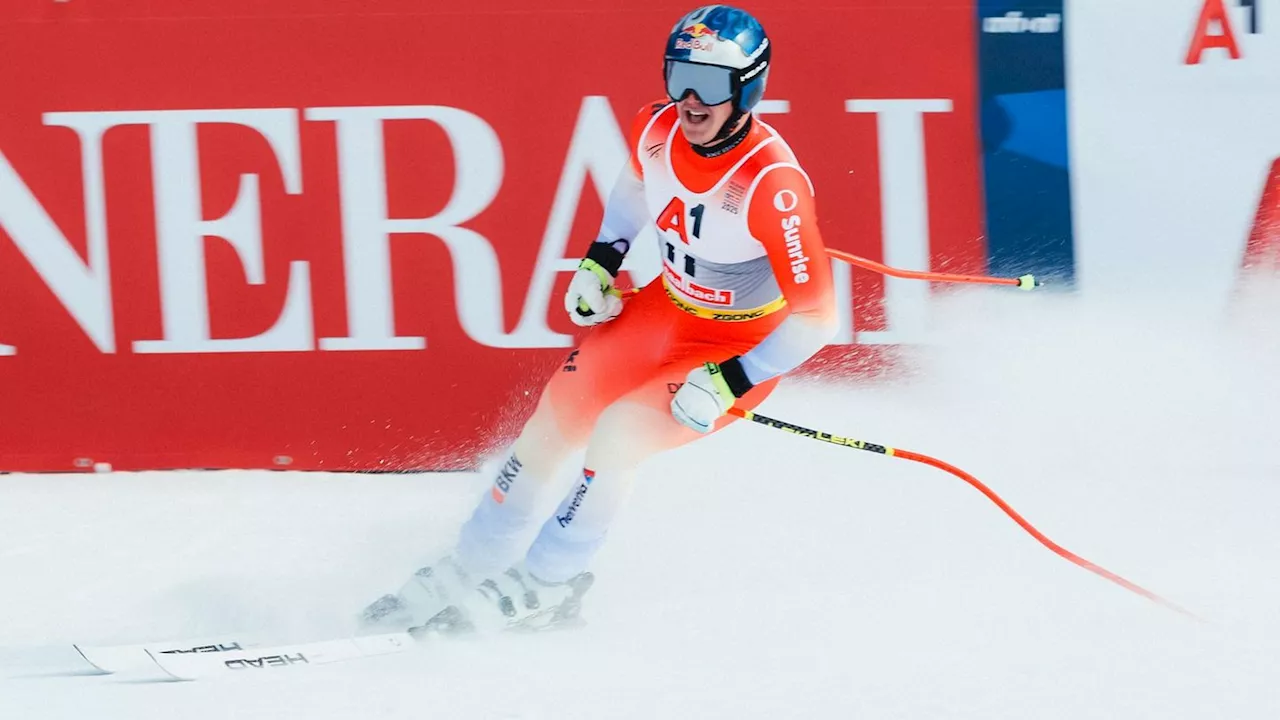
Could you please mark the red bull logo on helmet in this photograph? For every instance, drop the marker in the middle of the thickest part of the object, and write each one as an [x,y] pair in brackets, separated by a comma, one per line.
[696,37]
[697,30]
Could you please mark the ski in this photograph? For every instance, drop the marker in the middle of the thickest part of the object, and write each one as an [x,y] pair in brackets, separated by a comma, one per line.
[85,659]
[224,656]
[278,658]
[113,659]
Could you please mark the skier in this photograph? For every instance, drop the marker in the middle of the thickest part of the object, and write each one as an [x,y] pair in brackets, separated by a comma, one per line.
[744,297]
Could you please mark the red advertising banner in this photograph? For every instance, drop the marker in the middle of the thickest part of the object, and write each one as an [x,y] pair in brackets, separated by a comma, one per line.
[333,234]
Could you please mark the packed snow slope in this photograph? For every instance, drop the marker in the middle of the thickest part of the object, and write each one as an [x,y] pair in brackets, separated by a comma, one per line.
[757,574]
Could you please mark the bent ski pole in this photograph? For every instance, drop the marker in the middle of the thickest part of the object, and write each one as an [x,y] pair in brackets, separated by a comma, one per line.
[976,484]
[1025,282]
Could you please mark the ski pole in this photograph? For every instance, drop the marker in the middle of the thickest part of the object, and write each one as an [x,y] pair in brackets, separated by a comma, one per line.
[1024,282]
[976,484]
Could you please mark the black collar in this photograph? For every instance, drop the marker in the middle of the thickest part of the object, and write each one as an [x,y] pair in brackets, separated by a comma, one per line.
[730,143]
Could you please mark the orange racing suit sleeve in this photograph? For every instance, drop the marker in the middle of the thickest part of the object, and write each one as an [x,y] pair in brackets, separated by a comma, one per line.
[781,216]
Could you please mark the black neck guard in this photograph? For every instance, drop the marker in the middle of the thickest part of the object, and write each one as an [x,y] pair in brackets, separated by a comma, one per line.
[730,143]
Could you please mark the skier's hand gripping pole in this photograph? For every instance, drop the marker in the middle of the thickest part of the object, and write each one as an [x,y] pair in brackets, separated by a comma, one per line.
[976,484]
[592,298]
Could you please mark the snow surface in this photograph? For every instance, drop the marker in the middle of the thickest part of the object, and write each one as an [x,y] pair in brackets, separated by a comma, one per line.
[755,574]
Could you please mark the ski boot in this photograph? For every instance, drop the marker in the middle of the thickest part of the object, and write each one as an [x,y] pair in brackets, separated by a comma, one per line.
[525,603]
[427,602]
[442,599]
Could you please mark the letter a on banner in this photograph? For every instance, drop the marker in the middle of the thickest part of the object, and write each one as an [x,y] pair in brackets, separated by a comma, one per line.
[1263,249]
[1201,40]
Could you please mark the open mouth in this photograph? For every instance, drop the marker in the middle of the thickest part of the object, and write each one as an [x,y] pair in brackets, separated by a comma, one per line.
[694,117]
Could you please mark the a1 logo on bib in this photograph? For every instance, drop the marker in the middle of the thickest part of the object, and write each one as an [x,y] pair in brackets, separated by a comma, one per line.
[672,217]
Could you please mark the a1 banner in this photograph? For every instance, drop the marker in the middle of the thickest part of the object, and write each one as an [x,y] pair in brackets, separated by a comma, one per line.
[332,234]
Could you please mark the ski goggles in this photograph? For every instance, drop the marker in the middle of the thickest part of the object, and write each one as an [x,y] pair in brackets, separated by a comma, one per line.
[711,83]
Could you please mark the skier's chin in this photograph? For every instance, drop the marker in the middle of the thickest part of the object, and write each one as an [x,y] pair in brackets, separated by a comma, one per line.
[699,134]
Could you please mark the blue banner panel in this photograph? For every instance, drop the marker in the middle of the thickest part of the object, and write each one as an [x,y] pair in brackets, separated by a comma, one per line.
[1026,166]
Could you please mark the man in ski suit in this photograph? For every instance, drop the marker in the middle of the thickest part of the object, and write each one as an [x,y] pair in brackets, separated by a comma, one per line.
[744,297]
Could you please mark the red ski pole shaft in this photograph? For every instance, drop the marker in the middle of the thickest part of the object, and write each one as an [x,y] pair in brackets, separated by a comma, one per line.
[976,484]
[1025,282]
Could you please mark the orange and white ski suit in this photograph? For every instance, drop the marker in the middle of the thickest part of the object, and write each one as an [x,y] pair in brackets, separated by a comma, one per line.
[744,274]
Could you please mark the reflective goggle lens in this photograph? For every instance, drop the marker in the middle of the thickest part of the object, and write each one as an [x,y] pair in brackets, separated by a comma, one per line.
[713,85]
